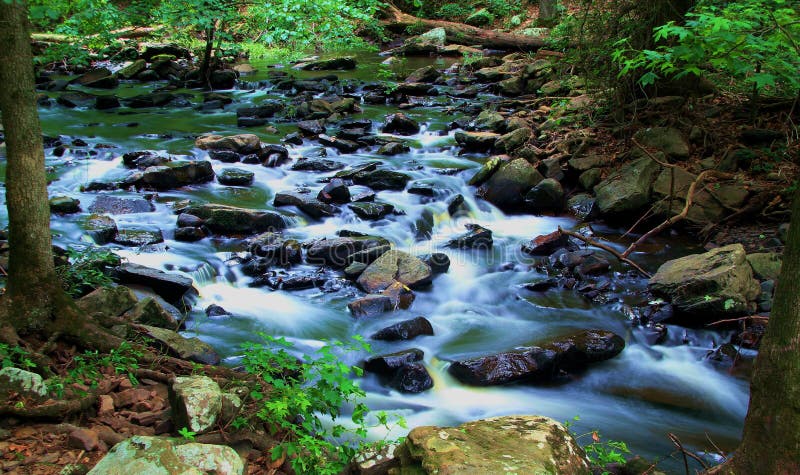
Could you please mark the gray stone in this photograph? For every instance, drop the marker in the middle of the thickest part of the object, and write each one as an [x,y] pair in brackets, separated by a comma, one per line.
[306,202]
[476,141]
[668,140]
[339,252]
[115,205]
[513,140]
[149,311]
[628,190]
[196,402]
[487,170]
[766,265]
[547,195]
[235,177]
[507,186]
[21,382]
[100,228]
[229,220]
[107,301]
[242,143]
[192,349]
[171,287]
[176,174]
[64,205]
[138,237]
[395,266]
[371,211]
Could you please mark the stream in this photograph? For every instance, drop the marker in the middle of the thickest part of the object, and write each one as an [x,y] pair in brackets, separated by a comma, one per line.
[478,307]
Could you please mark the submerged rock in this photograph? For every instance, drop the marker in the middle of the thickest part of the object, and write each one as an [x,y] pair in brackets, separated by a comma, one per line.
[476,237]
[306,202]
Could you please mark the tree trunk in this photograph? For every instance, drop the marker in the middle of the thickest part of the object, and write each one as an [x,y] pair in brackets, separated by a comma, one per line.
[771,438]
[31,273]
[548,12]
[460,33]
[205,66]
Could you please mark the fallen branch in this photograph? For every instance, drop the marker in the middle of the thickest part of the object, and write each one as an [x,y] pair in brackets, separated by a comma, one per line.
[734,320]
[606,248]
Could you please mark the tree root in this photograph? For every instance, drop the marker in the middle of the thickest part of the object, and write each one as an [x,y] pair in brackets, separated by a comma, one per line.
[58,410]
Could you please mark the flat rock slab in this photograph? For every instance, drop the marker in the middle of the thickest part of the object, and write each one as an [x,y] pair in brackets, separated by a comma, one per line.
[395,266]
[115,205]
[171,287]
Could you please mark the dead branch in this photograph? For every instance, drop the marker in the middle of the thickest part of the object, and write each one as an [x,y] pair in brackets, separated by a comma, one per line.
[606,248]
[761,318]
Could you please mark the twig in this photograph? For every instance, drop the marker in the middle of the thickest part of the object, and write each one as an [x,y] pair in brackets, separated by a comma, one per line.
[733,320]
[677,442]
[606,248]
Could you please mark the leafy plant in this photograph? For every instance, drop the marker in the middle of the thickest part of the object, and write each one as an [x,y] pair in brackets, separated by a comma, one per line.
[471,58]
[295,396]
[15,356]
[86,367]
[187,434]
[602,453]
[85,270]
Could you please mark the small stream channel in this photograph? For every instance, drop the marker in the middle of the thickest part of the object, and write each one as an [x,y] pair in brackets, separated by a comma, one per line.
[479,307]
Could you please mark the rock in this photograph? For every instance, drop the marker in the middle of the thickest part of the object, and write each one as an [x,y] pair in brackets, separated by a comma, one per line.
[192,349]
[736,159]
[131,70]
[405,330]
[311,128]
[341,63]
[507,187]
[84,439]
[100,78]
[186,220]
[316,165]
[457,206]
[342,145]
[263,111]
[21,382]
[760,136]
[627,191]
[223,79]
[370,305]
[546,244]
[306,202]
[582,206]
[389,363]
[107,301]
[400,124]
[539,363]
[242,143]
[154,455]
[335,192]
[481,17]
[196,402]
[428,42]
[667,140]
[153,99]
[489,120]
[235,177]
[476,141]
[136,237]
[412,378]
[100,228]
[114,205]
[704,287]
[394,266]
[176,174]
[339,252]
[64,205]
[547,195]
[500,445]
[149,311]
[371,211]
[155,49]
[428,74]
[585,163]
[382,179]
[106,102]
[487,170]
[393,148]
[143,159]
[766,265]
[171,287]
[590,178]
[476,237]
[75,99]
[439,262]
[229,220]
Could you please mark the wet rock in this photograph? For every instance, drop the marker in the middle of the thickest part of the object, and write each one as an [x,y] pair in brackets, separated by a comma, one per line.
[405,330]
[341,63]
[306,202]
[342,145]
[394,266]
[192,349]
[476,237]
[513,140]
[275,249]
[389,363]
[439,262]
[370,305]
[186,220]
[487,170]
[172,287]
[476,141]
[415,89]
[371,211]
[590,178]
[382,179]
[422,188]
[215,310]
[582,206]
[229,220]
[766,265]
[138,237]
[259,114]
[311,128]
[335,192]
[393,148]
[317,165]
[547,195]
[457,206]
[354,270]
[241,143]
[272,155]
[100,78]
[131,70]
[704,287]
[152,99]
[100,228]
[223,79]
[529,444]
[73,99]
[593,265]
[428,42]
[235,177]
[16,381]
[507,186]
[149,311]
[338,252]
[107,301]
[142,454]
[627,191]
[489,120]
[291,282]
[176,174]
[106,102]
[64,205]
[143,159]
[412,378]
[546,244]
[114,205]
[427,74]
[400,124]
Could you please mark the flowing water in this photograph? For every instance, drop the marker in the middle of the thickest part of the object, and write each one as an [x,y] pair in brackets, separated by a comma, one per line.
[477,308]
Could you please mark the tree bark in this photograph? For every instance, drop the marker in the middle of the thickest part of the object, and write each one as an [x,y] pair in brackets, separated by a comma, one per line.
[460,33]
[31,272]
[771,438]
[548,11]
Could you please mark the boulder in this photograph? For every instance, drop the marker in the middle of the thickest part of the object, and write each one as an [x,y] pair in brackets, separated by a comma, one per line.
[476,141]
[176,174]
[400,124]
[235,177]
[428,74]
[513,140]
[394,266]
[713,285]
[382,179]
[275,249]
[627,191]
[192,349]
[766,265]
[393,148]
[316,165]
[428,42]
[340,63]
[306,202]
[242,143]
[439,262]
[480,17]
[75,99]
[16,381]
[340,144]
[339,252]
[196,402]
[411,378]
[137,237]
[405,330]
[499,445]
[115,205]
[100,228]
[107,301]
[370,305]
[223,79]
[507,187]
[149,311]
[132,69]
[64,205]
[229,220]
[171,287]
[156,455]
[371,211]
[489,120]
[667,140]
[547,195]
[336,191]
[487,170]
[546,244]
[476,237]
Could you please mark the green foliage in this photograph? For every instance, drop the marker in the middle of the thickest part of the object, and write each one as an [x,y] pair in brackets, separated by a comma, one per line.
[471,58]
[16,357]
[754,41]
[86,368]
[453,11]
[187,434]
[503,8]
[85,270]
[295,396]
[602,453]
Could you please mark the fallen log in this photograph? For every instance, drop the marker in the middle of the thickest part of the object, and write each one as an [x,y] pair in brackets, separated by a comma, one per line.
[459,33]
